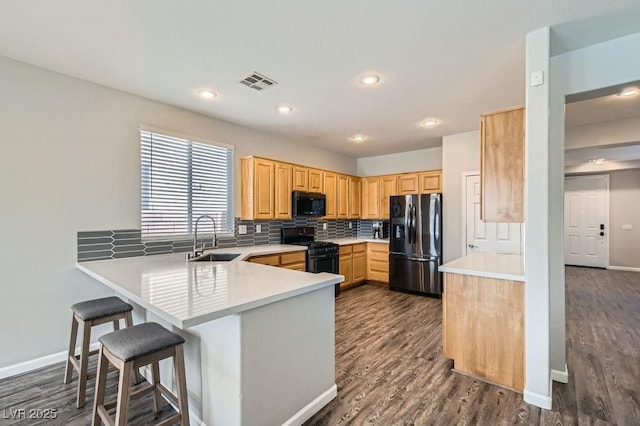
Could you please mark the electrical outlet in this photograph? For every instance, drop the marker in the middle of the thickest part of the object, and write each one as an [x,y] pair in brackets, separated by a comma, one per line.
[350,225]
[324,226]
[242,229]
[258,229]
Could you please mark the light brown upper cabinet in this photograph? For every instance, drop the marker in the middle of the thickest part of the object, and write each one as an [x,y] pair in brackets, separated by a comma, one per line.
[388,188]
[300,178]
[355,197]
[330,190]
[343,197]
[502,165]
[316,181]
[430,182]
[257,188]
[408,184]
[283,186]
[371,198]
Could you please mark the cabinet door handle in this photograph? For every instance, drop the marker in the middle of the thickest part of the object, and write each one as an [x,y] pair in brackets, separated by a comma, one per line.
[471,246]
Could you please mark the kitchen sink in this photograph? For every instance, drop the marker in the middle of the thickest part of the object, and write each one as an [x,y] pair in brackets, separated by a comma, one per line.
[215,257]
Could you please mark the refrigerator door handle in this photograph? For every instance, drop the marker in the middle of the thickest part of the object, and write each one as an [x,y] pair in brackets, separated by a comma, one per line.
[409,231]
[413,227]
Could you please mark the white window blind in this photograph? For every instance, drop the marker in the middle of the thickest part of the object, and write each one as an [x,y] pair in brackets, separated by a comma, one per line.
[182,180]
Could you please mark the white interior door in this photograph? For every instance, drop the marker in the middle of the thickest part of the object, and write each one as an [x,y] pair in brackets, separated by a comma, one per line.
[487,237]
[586,223]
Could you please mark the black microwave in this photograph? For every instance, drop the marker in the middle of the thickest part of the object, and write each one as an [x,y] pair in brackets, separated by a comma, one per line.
[308,204]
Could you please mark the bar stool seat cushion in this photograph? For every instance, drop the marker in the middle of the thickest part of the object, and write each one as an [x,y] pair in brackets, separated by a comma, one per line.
[140,340]
[100,308]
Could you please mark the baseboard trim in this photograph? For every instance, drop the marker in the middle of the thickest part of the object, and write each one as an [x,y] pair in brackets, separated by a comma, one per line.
[313,407]
[542,401]
[623,268]
[560,376]
[34,364]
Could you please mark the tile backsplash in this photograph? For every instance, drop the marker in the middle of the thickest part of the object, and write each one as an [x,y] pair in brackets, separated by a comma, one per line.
[114,244]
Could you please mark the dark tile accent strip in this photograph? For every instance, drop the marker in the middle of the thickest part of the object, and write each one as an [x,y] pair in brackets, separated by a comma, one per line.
[98,245]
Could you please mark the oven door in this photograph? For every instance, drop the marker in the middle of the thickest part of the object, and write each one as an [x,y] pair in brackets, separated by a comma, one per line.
[325,263]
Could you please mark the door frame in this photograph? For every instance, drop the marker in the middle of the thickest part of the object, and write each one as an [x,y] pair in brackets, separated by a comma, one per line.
[607,220]
[465,175]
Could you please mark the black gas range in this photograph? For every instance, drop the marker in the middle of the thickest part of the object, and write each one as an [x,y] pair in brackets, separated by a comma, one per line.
[322,256]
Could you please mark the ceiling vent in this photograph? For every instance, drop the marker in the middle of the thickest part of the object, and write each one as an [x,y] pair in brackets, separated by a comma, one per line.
[258,81]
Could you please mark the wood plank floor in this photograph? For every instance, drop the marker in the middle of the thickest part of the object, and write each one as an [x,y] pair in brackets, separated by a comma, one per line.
[390,369]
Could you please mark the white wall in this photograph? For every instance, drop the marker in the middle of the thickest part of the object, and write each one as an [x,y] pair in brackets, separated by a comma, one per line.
[537,252]
[460,153]
[601,65]
[624,205]
[410,161]
[70,161]
[605,133]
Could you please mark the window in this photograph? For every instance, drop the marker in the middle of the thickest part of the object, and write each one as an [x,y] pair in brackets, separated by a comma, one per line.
[182,180]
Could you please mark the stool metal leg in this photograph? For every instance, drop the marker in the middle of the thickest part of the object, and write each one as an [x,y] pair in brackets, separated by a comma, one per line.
[124,391]
[101,384]
[84,363]
[68,371]
[181,379]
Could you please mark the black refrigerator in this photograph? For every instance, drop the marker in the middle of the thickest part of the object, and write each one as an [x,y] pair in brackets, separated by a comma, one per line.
[415,244]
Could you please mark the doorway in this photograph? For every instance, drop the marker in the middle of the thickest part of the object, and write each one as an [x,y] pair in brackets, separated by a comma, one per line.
[586,221]
[485,237]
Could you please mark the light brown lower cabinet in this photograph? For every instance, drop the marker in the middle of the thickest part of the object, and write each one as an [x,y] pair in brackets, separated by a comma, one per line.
[269,259]
[345,267]
[483,328]
[359,262]
[352,264]
[295,260]
[378,262]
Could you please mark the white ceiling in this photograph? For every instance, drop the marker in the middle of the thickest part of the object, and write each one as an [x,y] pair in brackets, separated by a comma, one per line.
[450,60]
[606,108]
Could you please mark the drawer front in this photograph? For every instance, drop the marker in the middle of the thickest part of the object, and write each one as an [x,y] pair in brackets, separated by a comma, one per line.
[359,248]
[379,247]
[348,249]
[382,277]
[272,260]
[296,266]
[378,266]
[294,257]
[379,256]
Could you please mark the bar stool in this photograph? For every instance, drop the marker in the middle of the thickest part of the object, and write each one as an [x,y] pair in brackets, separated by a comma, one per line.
[91,313]
[132,348]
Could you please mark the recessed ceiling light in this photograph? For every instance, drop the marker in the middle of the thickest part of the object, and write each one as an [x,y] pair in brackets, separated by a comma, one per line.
[208,94]
[429,123]
[284,109]
[370,79]
[629,92]
[596,160]
[358,138]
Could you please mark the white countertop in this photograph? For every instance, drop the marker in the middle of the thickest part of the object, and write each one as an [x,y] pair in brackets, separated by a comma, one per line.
[356,240]
[490,265]
[190,293]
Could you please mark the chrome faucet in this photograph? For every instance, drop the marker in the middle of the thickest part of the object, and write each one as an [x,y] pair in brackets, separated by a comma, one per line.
[197,253]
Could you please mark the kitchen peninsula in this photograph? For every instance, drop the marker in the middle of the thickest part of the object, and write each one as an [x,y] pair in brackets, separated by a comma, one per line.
[483,317]
[260,340]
